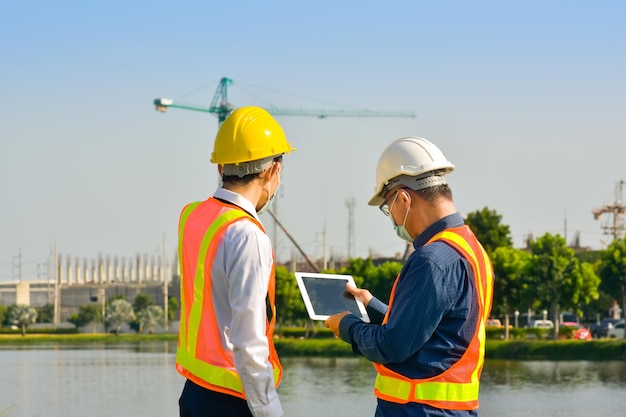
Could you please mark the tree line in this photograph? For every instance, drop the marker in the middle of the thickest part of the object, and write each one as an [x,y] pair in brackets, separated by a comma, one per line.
[546,275]
[142,315]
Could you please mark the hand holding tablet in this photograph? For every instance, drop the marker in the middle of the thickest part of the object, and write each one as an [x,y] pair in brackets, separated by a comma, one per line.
[325,295]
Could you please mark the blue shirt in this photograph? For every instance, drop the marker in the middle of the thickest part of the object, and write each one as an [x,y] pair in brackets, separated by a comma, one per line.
[432,321]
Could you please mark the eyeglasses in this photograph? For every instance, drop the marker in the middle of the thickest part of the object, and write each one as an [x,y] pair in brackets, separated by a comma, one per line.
[385,207]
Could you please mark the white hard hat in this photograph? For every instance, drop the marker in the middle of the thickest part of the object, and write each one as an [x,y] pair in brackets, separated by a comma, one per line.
[413,162]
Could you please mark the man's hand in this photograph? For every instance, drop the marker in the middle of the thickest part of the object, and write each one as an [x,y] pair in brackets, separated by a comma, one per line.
[360,294]
[333,322]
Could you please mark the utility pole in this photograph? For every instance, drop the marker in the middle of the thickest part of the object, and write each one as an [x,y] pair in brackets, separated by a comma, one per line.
[565,226]
[325,249]
[102,297]
[57,307]
[350,202]
[164,278]
[284,229]
[17,266]
[275,227]
[615,226]
[275,224]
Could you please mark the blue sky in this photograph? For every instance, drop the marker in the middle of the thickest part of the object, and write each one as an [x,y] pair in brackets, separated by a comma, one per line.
[526,98]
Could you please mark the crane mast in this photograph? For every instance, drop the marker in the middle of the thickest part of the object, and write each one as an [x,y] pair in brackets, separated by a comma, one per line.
[220,104]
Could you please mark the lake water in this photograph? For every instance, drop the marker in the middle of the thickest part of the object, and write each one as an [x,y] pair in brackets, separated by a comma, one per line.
[140,380]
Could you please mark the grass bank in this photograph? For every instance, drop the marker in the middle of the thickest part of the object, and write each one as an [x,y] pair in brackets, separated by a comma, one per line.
[593,350]
[82,338]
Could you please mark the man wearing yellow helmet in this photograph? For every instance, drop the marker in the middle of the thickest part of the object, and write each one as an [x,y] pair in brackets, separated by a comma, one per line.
[225,347]
[428,345]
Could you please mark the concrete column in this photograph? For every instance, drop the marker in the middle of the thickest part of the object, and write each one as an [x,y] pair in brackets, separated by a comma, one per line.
[86,271]
[22,293]
[154,268]
[101,279]
[109,270]
[70,272]
[146,269]
[139,268]
[79,277]
[116,269]
[123,270]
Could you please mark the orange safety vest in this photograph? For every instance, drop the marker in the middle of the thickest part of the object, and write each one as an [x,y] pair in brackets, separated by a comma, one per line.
[457,387]
[200,356]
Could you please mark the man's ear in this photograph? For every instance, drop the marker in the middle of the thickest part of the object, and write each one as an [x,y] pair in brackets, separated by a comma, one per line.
[220,170]
[406,194]
[267,174]
[276,167]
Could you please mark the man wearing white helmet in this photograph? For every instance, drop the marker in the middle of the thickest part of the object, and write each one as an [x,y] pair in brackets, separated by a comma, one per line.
[428,347]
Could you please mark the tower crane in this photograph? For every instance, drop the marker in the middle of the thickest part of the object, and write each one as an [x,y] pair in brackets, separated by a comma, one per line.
[222,108]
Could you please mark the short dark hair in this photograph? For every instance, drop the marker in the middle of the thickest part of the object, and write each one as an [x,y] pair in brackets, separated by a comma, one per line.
[237,180]
[433,194]
[246,179]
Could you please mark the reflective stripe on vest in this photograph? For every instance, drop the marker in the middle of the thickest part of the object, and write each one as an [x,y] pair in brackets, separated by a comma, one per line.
[456,388]
[221,375]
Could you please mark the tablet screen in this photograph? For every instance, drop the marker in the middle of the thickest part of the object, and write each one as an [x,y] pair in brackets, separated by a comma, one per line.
[325,295]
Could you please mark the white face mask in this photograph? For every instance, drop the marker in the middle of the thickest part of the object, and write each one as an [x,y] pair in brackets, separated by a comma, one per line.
[401,229]
[270,199]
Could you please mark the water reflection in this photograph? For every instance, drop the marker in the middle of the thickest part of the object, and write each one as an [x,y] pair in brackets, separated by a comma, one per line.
[568,373]
[343,387]
[327,386]
[139,379]
[550,388]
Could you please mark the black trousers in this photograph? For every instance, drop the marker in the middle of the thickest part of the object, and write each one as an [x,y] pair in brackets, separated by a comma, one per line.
[196,401]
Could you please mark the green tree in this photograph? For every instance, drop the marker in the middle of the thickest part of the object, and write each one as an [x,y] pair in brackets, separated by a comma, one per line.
[23,316]
[590,256]
[290,308]
[489,231]
[140,304]
[150,316]
[107,304]
[557,277]
[509,265]
[142,301]
[590,290]
[3,314]
[118,312]
[612,270]
[172,308]
[45,313]
[87,314]
[115,297]
[377,279]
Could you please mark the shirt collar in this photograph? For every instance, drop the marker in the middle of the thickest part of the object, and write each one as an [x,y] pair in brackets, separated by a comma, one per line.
[236,199]
[452,220]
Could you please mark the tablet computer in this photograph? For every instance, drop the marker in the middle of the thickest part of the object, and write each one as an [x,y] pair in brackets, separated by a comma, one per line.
[326,294]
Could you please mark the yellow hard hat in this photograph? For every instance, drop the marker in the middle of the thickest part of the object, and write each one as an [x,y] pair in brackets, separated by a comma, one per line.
[249,134]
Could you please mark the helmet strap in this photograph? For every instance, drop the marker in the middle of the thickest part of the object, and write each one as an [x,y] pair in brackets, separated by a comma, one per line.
[416,183]
[246,168]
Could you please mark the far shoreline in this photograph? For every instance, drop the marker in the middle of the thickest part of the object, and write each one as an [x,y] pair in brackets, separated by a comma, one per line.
[592,350]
